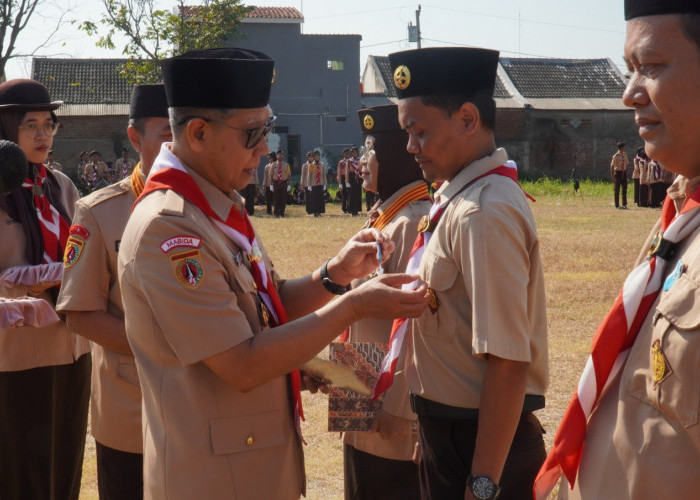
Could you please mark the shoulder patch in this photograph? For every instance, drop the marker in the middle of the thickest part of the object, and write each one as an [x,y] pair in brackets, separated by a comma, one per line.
[78,230]
[180,241]
[187,268]
[74,249]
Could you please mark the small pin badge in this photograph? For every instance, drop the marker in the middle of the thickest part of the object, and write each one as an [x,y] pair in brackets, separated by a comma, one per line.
[423,224]
[656,243]
[660,367]
[673,277]
[434,302]
[264,314]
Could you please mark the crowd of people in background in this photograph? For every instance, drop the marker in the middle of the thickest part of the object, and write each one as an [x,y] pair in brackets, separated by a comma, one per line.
[650,180]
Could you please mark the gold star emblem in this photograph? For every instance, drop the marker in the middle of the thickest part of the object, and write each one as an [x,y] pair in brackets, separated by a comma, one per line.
[368,122]
[274,75]
[402,77]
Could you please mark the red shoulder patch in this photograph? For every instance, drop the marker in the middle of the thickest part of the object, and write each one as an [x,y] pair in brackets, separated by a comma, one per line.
[79,230]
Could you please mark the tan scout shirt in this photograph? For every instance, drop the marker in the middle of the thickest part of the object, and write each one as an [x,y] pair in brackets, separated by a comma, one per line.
[483,262]
[27,346]
[311,175]
[124,167]
[402,230]
[267,174]
[280,172]
[643,440]
[202,438]
[91,284]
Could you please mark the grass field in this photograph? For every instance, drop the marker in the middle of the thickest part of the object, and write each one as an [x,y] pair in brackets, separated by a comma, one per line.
[588,248]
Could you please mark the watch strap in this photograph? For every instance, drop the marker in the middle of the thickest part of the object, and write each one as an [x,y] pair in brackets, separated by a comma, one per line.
[329,284]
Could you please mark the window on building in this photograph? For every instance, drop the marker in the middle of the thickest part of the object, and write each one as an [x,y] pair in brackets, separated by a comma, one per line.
[335,65]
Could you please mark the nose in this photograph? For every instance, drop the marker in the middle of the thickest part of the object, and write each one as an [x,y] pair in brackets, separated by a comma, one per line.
[412,145]
[635,93]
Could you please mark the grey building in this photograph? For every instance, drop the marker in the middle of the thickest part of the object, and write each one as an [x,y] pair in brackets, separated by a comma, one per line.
[554,115]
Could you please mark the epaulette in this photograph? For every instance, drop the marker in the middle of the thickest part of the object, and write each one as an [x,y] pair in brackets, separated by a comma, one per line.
[107,193]
[173,204]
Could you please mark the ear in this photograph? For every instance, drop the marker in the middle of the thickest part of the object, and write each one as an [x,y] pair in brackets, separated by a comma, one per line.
[134,137]
[197,134]
[469,117]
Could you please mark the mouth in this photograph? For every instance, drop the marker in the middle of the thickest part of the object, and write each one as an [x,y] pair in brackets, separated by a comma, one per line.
[646,125]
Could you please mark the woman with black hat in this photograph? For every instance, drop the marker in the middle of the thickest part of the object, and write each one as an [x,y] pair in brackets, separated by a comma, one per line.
[44,370]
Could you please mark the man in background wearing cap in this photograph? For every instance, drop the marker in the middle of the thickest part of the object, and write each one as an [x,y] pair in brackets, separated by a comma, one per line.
[206,313]
[96,172]
[618,174]
[640,438]
[124,165]
[379,464]
[91,300]
[479,355]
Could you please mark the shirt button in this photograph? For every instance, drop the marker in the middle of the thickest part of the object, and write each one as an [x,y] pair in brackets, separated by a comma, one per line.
[249,441]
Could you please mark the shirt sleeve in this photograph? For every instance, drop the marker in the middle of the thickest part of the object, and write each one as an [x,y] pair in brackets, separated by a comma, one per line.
[491,248]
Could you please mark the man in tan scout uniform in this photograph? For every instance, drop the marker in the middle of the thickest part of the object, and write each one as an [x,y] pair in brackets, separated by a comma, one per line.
[220,387]
[379,464]
[643,436]
[124,165]
[96,172]
[618,175]
[479,355]
[91,300]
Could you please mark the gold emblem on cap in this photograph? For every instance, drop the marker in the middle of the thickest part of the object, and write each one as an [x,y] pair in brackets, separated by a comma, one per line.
[274,74]
[402,77]
[368,121]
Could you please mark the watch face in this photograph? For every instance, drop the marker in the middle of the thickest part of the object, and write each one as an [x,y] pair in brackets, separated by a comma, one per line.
[483,488]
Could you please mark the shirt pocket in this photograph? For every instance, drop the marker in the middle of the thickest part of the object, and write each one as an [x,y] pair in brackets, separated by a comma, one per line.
[440,274]
[126,371]
[667,375]
[246,434]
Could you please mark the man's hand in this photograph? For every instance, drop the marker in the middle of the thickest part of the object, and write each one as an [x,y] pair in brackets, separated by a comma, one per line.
[381,297]
[391,427]
[358,257]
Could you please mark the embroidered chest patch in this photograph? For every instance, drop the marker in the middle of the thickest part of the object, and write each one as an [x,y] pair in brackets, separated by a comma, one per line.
[188,269]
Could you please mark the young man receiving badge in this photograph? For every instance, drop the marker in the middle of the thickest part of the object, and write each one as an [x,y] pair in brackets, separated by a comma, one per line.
[217,336]
[479,353]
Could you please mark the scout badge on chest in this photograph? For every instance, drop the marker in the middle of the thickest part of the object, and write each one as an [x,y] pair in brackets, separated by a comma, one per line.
[659,364]
[434,302]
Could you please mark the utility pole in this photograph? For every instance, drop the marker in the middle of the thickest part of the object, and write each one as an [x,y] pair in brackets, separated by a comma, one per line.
[418,24]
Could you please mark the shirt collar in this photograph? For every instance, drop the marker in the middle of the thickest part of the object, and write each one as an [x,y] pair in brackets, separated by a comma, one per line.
[470,172]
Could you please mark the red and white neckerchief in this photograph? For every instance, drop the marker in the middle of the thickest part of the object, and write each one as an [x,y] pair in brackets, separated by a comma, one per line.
[168,173]
[125,168]
[355,163]
[279,171]
[398,328]
[610,347]
[54,228]
[318,175]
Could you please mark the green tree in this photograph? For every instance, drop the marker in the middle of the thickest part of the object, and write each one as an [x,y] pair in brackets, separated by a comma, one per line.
[153,34]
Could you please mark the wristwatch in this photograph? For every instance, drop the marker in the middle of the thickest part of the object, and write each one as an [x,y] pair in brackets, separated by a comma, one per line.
[483,487]
[329,284]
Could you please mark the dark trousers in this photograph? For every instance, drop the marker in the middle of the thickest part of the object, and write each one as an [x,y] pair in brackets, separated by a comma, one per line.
[658,193]
[636,191]
[620,182]
[447,447]
[268,199]
[248,193]
[369,477]
[119,474]
[355,194]
[279,197]
[43,421]
[344,196]
[644,195]
[318,201]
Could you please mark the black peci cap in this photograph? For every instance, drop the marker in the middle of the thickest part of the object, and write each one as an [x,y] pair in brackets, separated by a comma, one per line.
[228,78]
[444,70]
[640,8]
[148,101]
[397,167]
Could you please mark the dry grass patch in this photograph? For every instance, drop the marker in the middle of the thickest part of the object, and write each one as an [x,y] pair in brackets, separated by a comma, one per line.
[588,248]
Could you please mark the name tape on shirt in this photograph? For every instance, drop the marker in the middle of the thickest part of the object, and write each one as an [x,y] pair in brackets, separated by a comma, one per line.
[180,241]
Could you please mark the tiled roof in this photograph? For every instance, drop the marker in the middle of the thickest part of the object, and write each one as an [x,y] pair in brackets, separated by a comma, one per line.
[83,81]
[275,13]
[386,73]
[564,78]
[256,13]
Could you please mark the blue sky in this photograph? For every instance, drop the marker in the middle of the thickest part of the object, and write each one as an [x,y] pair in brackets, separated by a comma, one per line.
[518,28]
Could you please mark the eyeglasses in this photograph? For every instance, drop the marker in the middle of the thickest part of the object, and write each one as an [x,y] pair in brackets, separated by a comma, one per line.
[255,135]
[46,128]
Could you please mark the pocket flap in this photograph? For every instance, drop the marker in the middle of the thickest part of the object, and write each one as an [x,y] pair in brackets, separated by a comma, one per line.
[237,434]
[681,304]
